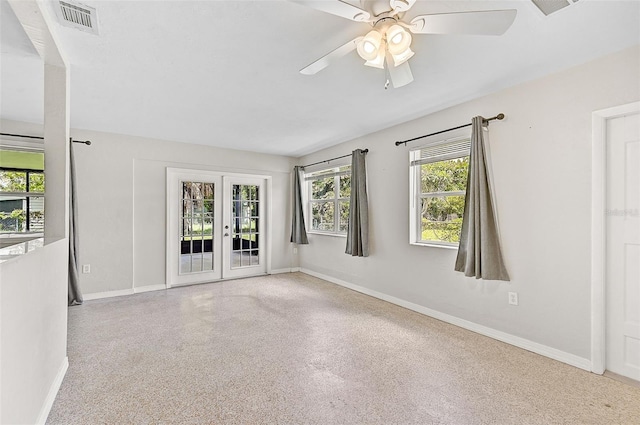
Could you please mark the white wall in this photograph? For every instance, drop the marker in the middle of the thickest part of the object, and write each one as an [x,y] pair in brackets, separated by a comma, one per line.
[121,183]
[541,156]
[33,330]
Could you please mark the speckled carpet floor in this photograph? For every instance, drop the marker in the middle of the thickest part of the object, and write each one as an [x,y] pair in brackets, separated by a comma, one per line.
[293,349]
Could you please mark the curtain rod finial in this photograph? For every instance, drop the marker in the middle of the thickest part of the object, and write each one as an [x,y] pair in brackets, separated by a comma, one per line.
[500,116]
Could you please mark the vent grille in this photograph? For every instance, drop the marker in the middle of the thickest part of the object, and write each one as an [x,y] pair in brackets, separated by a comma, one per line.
[79,16]
[550,6]
[76,14]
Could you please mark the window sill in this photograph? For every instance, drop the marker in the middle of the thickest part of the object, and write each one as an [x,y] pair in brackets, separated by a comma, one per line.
[335,235]
[435,245]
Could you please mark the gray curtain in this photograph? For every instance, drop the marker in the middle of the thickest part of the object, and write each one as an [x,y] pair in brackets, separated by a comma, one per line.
[298,229]
[358,230]
[74,295]
[479,253]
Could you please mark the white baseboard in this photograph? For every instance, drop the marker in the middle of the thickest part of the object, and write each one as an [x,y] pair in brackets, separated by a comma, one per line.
[121,292]
[107,294]
[526,344]
[53,391]
[149,288]
[290,270]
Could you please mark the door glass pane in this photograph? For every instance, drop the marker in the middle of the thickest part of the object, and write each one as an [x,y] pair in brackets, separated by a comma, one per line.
[196,227]
[245,207]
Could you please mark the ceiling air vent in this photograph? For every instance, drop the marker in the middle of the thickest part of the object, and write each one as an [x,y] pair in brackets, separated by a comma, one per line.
[79,16]
[549,6]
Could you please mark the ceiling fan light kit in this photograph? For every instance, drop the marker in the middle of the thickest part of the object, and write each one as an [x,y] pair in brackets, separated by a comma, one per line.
[389,41]
[394,38]
[371,49]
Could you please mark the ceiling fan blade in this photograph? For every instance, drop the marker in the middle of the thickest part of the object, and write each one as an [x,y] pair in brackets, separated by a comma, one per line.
[327,59]
[338,8]
[401,5]
[487,22]
[399,75]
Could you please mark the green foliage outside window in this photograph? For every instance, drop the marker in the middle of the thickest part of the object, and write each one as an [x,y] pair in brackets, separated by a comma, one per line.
[442,214]
[16,181]
[13,183]
[329,196]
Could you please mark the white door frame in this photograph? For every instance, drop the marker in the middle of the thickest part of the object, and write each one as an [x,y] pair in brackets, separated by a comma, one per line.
[171,173]
[228,271]
[598,230]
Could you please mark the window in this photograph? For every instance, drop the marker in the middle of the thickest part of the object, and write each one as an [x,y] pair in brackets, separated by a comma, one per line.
[438,187]
[21,192]
[328,192]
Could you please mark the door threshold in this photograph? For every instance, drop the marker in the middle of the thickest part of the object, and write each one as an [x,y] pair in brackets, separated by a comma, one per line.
[205,282]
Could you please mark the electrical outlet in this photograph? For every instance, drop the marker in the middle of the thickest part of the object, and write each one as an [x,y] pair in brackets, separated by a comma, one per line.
[295,251]
[86,268]
[513,298]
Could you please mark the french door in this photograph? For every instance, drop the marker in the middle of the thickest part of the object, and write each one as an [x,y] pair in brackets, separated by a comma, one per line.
[216,226]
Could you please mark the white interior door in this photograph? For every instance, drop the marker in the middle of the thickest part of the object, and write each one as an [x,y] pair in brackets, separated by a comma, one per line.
[216,226]
[244,237]
[623,246]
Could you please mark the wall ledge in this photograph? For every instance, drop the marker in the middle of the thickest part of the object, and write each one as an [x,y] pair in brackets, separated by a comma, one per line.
[543,350]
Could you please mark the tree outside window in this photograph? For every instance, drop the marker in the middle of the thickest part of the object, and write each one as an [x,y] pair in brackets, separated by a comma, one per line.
[443,185]
[329,192]
[21,192]
[439,180]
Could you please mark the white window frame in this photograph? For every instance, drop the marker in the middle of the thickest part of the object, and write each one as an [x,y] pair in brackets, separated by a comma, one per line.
[415,192]
[318,175]
[27,146]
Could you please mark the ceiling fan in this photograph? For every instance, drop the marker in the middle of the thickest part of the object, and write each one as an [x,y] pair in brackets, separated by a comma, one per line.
[388,45]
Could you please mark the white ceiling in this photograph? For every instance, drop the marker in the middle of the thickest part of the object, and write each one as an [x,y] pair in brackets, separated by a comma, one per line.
[225,73]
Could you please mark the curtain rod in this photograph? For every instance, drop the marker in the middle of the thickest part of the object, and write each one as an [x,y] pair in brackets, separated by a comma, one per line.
[86,142]
[497,117]
[332,159]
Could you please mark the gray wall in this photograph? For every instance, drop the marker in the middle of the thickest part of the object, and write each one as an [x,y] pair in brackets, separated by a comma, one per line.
[541,162]
[122,204]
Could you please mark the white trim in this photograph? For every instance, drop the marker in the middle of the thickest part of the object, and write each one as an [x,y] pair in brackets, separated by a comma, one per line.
[269,219]
[435,244]
[149,288]
[526,344]
[108,294]
[332,234]
[133,222]
[53,392]
[280,271]
[598,229]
